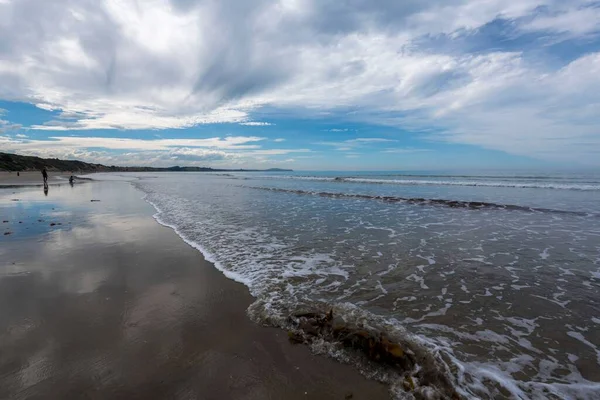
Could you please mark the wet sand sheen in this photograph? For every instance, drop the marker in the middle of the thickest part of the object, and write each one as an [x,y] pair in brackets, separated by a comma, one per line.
[110,304]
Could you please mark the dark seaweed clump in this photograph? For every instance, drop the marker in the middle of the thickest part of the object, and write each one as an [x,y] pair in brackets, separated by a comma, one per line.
[420,372]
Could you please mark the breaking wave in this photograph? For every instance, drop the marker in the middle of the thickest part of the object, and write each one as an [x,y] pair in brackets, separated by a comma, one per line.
[528,183]
[326,296]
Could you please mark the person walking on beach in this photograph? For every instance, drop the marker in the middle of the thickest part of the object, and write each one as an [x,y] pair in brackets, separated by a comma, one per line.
[45,175]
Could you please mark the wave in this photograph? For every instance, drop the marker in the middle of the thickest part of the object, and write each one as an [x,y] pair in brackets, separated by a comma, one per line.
[474,181]
[475,205]
[346,331]
[521,185]
[381,349]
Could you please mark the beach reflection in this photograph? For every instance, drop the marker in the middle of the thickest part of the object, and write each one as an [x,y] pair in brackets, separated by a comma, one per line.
[77,272]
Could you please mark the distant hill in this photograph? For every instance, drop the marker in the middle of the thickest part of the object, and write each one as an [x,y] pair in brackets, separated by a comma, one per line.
[15,162]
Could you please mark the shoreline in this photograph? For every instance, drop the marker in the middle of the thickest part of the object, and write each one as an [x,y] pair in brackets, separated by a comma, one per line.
[109,300]
[31,178]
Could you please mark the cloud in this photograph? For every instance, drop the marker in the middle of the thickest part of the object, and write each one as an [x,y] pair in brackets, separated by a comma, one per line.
[370,140]
[103,64]
[271,152]
[279,140]
[255,123]
[229,150]
[406,150]
[571,21]
[229,142]
[7,127]
[352,144]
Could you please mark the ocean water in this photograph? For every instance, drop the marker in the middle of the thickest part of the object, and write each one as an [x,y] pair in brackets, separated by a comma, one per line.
[497,275]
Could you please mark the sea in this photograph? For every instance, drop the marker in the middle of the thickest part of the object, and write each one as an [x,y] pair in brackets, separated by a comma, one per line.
[496,274]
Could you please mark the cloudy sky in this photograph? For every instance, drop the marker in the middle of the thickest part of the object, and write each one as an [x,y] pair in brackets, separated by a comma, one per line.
[305,84]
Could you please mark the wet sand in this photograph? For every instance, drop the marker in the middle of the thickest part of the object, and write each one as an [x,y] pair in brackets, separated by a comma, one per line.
[29,178]
[97,300]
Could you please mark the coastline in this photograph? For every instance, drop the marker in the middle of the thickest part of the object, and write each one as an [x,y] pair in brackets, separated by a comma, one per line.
[98,297]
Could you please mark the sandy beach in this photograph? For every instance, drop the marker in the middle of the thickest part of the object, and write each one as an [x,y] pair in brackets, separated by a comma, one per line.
[97,300]
[31,178]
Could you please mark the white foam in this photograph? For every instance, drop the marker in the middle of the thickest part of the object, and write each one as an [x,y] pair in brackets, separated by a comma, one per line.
[279,268]
[207,255]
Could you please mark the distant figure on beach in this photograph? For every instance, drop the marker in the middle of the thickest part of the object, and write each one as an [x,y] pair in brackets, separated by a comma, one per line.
[71,180]
[45,175]
[18,173]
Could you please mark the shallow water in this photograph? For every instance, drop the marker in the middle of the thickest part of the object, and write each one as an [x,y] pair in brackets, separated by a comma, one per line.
[504,290]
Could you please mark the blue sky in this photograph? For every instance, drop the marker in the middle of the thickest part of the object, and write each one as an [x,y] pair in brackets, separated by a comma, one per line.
[304,84]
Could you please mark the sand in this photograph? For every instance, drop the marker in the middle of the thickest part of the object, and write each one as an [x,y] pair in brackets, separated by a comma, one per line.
[97,300]
[29,178]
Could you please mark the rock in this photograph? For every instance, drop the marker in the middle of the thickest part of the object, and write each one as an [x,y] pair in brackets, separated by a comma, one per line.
[4,222]
[7,233]
[52,224]
[94,200]
[348,396]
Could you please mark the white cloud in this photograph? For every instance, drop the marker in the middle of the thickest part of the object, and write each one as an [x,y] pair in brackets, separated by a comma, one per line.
[279,140]
[105,64]
[20,135]
[229,142]
[573,21]
[370,140]
[271,152]
[228,151]
[352,144]
[256,123]
[406,150]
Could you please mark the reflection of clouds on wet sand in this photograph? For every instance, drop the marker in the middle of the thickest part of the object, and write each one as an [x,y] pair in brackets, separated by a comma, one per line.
[94,274]
[112,303]
[65,282]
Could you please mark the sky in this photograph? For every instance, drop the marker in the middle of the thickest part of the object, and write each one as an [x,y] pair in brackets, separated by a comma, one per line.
[303,84]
